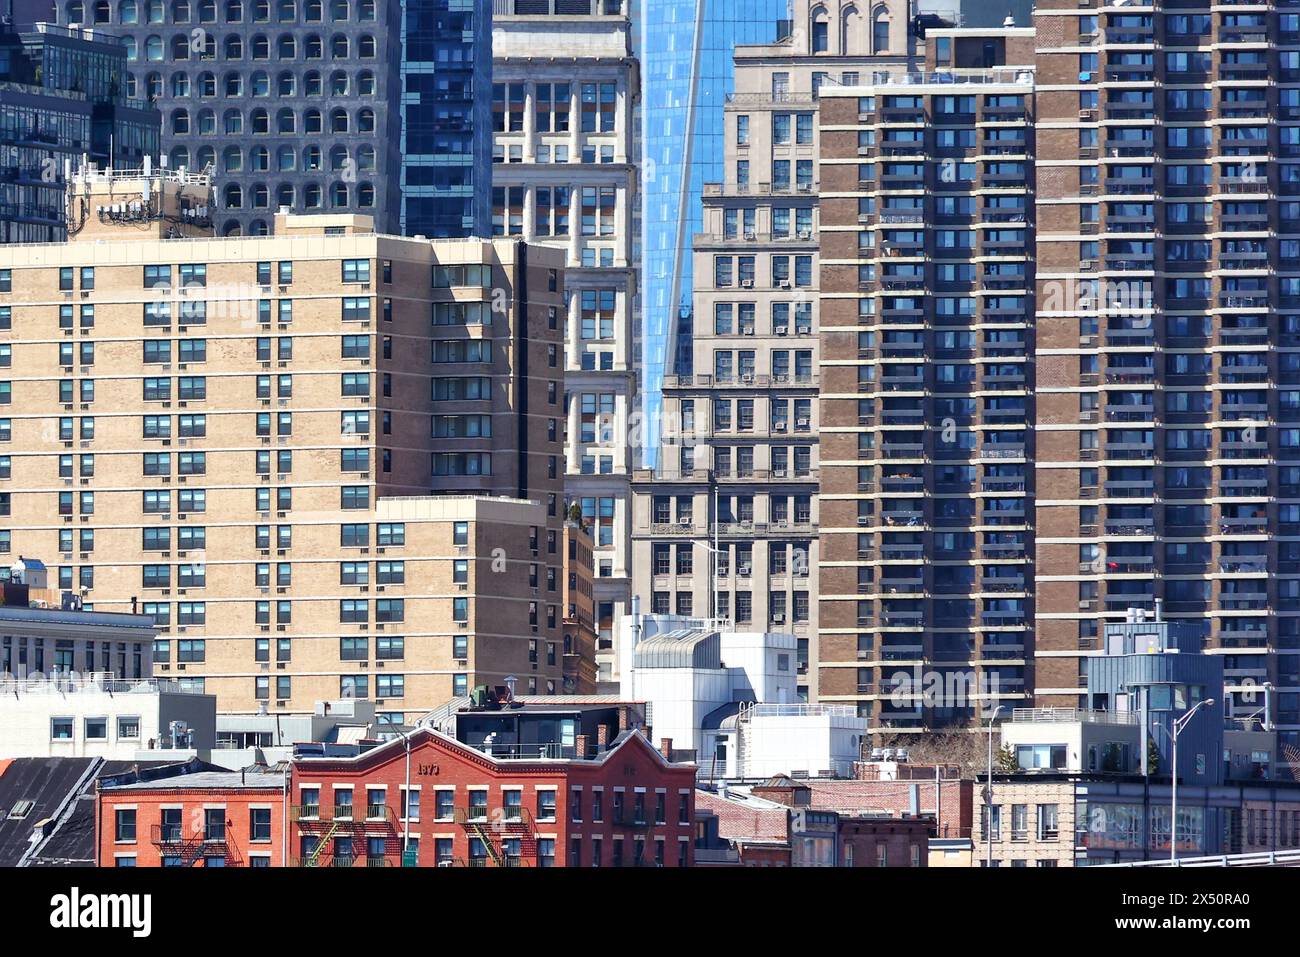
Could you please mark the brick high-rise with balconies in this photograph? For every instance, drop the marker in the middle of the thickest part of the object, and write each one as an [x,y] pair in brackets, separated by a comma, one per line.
[1168,464]
[926,310]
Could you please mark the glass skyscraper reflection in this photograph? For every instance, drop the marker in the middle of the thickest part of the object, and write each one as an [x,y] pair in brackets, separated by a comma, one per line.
[446,108]
[685,48]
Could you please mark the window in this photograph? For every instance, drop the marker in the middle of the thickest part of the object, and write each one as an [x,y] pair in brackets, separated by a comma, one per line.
[124,825]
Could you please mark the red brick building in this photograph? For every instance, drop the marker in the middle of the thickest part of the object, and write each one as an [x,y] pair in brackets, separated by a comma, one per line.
[203,818]
[884,841]
[428,800]
[949,802]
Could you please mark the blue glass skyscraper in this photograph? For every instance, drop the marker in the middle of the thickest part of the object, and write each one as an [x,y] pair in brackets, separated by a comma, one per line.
[685,48]
[446,118]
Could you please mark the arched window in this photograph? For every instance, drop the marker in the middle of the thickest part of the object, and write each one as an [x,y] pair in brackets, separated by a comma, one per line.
[207,85]
[338,83]
[234,11]
[365,195]
[154,11]
[234,196]
[285,159]
[76,13]
[261,196]
[233,123]
[311,196]
[339,47]
[819,30]
[180,122]
[286,83]
[132,92]
[366,121]
[880,30]
[153,49]
[179,157]
[312,84]
[260,121]
[366,158]
[286,122]
[288,11]
[103,13]
[207,122]
[287,46]
[180,11]
[180,84]
[261,11]
[153,85]
[366,11]
[207,11]
[257,228]
[284,195]
[260,84]
[259,159]
[366,83]
[367,47]
[128,13]
[339,11]
[339,121]
[338,158]
[311,121]
[851,32]
[232,159]
[132,49]
[234,84]
[313,48]
[339,195]
[311,159]
[312,11]
[230,228]
[206,156]
[261,48]
[234,47]
[180,46]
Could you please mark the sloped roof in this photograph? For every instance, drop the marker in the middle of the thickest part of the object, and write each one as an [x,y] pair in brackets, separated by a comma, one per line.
[47,783]
[745,821]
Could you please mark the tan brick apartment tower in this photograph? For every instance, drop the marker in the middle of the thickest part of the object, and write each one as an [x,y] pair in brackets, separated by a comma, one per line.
[240,438]
[926,312]
[1168,456]
[565,89]
[739,456]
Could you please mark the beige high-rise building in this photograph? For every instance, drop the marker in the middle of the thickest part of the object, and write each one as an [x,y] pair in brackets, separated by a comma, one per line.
[737,487]
[326,462]
[565,88]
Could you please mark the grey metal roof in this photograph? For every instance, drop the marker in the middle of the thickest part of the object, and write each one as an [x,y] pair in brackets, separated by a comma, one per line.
[207,780]
[722,717]
[682,648]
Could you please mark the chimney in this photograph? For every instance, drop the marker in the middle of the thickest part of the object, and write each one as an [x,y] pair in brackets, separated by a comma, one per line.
[582,746]
[602,737]
[622,718]
[666,748]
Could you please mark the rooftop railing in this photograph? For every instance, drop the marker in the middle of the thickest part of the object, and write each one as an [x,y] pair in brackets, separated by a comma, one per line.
[102,682]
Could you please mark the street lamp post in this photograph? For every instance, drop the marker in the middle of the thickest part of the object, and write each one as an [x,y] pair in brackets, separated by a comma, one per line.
[1177,726]
[988,795]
